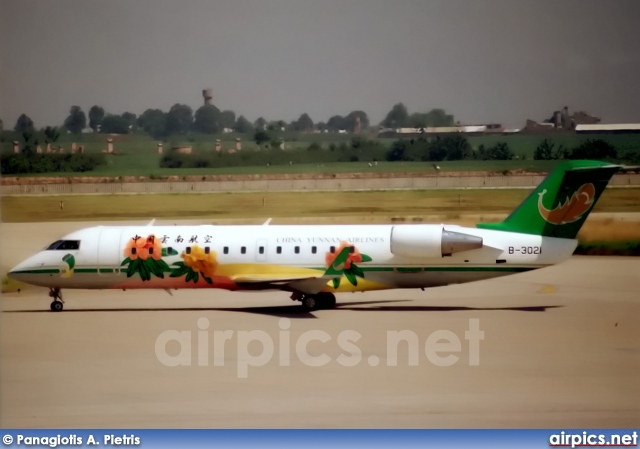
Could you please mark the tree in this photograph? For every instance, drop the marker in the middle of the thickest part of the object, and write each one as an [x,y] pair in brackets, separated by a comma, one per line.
[227,119]
[451,148]
[457,147]
[276,125]
[131,120]
[153,122]
[207,119]
[179,119]
[546,151]
[27,150]
[260,123]
[76,121]
[114,124]
[261,136]
[336,123]
[96,114]
[435,117]
[499,152]
[398,151]
[304,123]
[502,152]
[51,134]
[630,156]
[397,117]
[24,124]
[436,151]
[351,119]
[243,126]
[594,149]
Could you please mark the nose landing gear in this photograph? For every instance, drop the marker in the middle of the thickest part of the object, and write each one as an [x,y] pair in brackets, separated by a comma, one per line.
[57,304]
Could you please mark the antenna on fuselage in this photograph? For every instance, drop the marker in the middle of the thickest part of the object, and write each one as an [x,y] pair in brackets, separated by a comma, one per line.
[266,223]
[152,222]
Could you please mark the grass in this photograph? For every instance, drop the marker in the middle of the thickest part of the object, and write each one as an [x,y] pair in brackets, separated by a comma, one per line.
[380,204]
[609,248]
[609,237]
[250,205]
[138,167]
[138,156]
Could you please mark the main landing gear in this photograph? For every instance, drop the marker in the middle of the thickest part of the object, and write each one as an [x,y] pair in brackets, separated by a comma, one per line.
[315,302]
[58,303]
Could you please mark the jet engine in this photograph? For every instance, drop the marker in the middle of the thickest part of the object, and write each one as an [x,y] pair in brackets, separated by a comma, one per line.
[430,241]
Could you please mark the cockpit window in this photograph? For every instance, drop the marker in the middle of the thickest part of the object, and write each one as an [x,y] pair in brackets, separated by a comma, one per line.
[54,245]
[64,245]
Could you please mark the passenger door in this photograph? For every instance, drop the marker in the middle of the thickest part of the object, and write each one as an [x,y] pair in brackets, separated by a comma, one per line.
[109,251]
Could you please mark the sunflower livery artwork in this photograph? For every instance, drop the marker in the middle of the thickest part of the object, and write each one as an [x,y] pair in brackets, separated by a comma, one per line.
[196,263]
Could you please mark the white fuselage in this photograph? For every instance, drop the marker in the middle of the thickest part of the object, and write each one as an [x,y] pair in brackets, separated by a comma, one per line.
[391,261]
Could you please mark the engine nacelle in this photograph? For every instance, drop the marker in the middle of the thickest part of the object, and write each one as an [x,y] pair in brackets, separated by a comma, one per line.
[430,241]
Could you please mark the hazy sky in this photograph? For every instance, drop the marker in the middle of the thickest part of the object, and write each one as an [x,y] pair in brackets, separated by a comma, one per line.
[484,61]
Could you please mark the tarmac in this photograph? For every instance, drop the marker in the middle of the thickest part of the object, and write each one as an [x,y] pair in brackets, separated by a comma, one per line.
[557,347]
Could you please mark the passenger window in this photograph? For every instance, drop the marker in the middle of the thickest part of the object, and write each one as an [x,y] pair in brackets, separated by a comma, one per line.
[352,249]
[297,250]
[151,250]
[169,250]
[188,250]
[134,250]
[332,249]
[206,250]
[225,250]
[261,250]
[313,250]
[279,250]
[243,250]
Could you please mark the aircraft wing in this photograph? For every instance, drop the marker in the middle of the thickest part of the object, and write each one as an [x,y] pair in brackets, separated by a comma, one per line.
[301,284]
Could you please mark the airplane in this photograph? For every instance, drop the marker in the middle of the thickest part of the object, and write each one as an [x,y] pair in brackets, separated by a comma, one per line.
[312,262]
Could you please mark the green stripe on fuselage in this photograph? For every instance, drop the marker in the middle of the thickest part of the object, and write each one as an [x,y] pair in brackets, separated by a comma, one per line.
[403,270]
[406,270]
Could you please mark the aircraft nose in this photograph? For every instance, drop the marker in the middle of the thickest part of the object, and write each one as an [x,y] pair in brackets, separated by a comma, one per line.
[13,273]
[19,269]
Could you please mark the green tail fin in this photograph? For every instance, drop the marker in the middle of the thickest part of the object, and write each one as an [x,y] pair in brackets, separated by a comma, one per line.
[561,204]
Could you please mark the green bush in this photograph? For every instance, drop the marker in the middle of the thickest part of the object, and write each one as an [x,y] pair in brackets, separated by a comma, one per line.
[28,162]
[594,149]
[450,148]
[499,152]
[358,150]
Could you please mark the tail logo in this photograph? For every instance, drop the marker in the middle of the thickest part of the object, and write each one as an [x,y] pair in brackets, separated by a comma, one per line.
[572,209]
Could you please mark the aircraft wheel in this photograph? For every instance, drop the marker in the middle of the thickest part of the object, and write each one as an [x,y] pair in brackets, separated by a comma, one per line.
[56,306]
[310,303]
[327,300]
